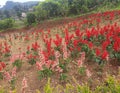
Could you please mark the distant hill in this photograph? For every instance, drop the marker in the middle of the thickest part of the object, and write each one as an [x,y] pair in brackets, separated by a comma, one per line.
[10,5]
[16,9]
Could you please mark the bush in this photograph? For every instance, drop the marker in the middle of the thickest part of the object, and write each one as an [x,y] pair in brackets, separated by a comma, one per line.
[6,23]
[31,18]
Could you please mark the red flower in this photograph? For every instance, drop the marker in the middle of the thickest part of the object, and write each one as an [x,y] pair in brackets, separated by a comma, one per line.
[35,46]
[105,44]
[58,40]
[105,55]
[75,43]
[67,36]
[77,32]
[28,48]
[79,48]
[48,45]
[1,68]
[88,33]
[97,52]
[3,64]
[90,45]
[115,46]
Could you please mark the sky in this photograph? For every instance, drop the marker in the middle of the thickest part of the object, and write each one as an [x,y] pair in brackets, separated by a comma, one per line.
[2,2]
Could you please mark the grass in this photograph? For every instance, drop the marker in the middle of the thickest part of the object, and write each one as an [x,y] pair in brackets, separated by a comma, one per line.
[19,24]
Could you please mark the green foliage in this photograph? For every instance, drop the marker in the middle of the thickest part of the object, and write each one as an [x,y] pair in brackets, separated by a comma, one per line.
[111,85]
[32,61]
[75,54]
[84,8]
[37,91]
[45,73]
[31,18]
[85,48]
[57,8]
[2,90]
[12,83]
[83,89]
[7,55]
[1,76]
[82,70]
[6,23]
[15,10]
[48,88]
[17,63]
[69,88]
[47,9]
[63,77]
[117,55]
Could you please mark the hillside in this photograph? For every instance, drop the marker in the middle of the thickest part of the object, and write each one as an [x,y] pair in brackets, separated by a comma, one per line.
[64,46]
[10,5]
[79,54]
[15,9]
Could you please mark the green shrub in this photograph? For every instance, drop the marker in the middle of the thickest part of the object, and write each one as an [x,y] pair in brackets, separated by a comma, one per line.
[6,23]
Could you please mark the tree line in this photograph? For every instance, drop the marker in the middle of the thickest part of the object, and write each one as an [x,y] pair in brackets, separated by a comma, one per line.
[59,8]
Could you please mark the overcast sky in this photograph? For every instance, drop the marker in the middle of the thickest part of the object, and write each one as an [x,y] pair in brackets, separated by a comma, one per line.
[2,2]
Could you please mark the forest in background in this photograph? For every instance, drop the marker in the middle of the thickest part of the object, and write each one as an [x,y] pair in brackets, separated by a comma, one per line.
[50,9]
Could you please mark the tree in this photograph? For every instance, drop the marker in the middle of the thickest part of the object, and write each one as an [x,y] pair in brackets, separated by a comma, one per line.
[18,10]
[31,18]
[7,14]
[6,23]
[56,8]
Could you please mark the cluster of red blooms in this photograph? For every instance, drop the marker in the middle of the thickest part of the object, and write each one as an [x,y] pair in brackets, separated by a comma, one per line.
[4,47]
[35,46]
[2,66]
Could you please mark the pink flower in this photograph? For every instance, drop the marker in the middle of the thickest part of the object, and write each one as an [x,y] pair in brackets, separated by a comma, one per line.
[65,53]
[59,69]
[10,91]
[83,56]
[14,72]
[88,73]
[57,54]
[80,63]
[54,64]
[48,63]
[24,85]
[39,66]
[41,56]
[7,76]
[15,57]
